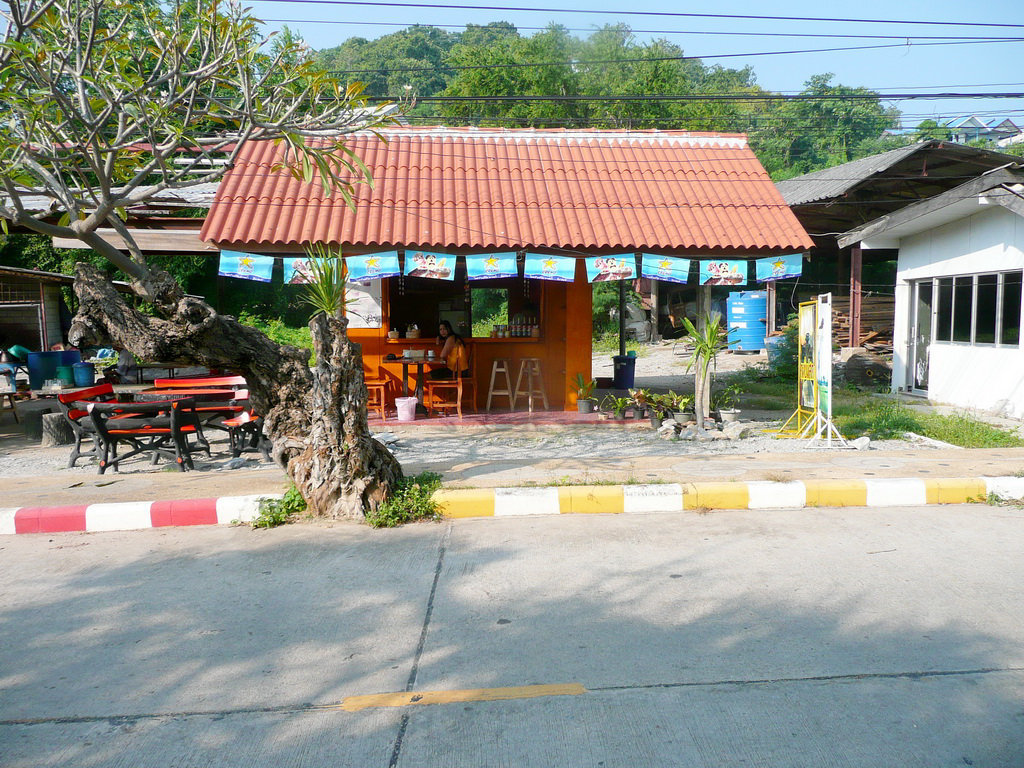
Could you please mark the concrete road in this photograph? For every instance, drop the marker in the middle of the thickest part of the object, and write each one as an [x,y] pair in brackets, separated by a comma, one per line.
[837,637]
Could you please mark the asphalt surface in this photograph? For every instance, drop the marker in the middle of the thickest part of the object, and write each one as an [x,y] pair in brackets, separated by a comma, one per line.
[832,637]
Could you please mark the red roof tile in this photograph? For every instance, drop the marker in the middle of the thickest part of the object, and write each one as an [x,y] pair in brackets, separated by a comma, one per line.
[467,188]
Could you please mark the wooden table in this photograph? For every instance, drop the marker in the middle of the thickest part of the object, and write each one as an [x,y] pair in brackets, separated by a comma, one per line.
[420,363]
[178,393]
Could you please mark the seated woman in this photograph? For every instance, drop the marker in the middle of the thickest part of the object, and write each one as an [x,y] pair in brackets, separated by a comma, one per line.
[453,352]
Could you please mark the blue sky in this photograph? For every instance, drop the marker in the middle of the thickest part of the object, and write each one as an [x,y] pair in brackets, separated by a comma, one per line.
[984,67]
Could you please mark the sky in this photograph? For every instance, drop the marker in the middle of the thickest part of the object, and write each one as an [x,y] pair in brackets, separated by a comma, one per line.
[915,63]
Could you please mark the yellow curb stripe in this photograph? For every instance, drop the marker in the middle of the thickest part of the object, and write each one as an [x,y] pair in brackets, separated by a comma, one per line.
[422,698]
[466,502]
[955,491]
[591,499]
[716,496]
[836,493]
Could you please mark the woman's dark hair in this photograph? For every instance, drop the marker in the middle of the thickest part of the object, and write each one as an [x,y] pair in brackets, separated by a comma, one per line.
[451,331]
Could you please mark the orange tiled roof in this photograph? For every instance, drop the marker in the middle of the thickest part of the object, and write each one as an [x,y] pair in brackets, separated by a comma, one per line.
[467,188]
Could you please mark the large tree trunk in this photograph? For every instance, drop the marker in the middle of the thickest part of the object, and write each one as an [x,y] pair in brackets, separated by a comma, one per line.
[316,420]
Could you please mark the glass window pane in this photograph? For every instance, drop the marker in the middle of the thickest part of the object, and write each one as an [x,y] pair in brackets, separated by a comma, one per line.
[985,310]
[489,307]
[1011,308]
[944,310]
[963,308]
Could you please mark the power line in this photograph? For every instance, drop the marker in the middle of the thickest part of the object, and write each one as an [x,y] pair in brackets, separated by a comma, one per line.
[725,97]
[663,14]
[572,64]
[716,33]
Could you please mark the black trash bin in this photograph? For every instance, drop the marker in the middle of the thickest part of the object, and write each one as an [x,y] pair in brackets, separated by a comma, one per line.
[623,367]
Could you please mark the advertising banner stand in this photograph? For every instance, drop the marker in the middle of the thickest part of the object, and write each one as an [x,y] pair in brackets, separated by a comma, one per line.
[813,416]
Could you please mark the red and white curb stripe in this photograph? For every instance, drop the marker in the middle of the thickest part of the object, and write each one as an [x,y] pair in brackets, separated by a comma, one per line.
[131,515]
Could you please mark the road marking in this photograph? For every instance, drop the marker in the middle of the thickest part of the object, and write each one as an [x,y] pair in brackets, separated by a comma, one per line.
[421,698]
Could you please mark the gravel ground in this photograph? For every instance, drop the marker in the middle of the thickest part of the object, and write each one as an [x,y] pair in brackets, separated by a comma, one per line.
[661,368]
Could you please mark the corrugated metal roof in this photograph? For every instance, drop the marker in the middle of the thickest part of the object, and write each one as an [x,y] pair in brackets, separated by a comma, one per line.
[836,181]
[507,188]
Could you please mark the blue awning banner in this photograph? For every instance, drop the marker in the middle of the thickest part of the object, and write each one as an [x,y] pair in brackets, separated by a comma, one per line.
[373,266]
[297,271]
[723,272]
[436,266]
[542,267]
[779,267]
[667,268]
[246,266]
[489,266]
[617,266]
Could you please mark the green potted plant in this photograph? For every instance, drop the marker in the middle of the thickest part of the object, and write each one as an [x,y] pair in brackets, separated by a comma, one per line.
[584,389]
[642,401]
[616,406]
[724,402]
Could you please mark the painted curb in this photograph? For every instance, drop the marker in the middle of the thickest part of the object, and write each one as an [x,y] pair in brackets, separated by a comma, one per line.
[754,494]
[131,515]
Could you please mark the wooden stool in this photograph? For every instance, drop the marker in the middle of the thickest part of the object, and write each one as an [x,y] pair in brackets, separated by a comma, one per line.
[502,365]
[530,368]
[377,398]
[9,397]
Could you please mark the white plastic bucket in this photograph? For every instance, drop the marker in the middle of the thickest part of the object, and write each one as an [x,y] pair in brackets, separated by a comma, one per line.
[406,408]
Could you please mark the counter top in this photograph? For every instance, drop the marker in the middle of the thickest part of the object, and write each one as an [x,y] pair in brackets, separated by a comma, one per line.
[474,340]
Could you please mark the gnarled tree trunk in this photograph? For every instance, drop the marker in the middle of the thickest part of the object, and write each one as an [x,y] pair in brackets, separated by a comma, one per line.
[315,419]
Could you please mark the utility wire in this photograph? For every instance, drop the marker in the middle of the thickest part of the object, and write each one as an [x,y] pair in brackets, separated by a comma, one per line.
[716,33]
[664,14]
[573,64]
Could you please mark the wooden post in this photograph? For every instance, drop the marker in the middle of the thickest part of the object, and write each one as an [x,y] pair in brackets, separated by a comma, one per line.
[770,320]
[856,264]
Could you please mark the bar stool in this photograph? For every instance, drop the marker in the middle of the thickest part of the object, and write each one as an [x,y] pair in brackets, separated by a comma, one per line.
[530,368]
[501,366]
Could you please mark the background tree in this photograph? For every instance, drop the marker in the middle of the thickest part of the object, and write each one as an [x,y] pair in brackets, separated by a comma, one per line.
[109,102]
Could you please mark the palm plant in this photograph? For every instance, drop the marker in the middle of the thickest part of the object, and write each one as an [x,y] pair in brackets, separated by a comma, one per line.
[705,340]
[325,287]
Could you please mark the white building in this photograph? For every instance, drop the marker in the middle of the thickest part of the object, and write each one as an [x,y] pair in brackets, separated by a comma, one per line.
[959,282]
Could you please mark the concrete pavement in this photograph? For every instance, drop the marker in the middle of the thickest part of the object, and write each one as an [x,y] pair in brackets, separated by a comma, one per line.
[785,638]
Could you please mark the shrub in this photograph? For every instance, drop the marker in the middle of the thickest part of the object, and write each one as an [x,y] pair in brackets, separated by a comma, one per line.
[275,512]
[782,359]
[412,500]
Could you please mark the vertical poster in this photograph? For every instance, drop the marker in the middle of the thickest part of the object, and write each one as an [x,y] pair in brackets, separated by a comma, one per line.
[823,346]
[436,266]
[373,266]
[667,268]
[363,304]
[806,370]
[723,272]
[541,267]
[490,266]
[246,266]
[779,267]
[621,266]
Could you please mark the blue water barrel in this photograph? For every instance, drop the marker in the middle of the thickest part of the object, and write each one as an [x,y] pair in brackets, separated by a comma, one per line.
[85,374]
[42,366]
[70,357]
[66,375]
[748,319]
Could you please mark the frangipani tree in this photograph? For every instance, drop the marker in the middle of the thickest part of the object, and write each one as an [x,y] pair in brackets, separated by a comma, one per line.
[107,103]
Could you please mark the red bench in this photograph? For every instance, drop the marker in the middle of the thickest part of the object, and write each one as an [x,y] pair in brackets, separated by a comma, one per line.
[72,405]
[160,428]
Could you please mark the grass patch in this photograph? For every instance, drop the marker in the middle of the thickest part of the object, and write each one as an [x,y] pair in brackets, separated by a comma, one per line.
[964,431]
[857,415]
[275,512]
[277,331]
[608,342]
[411,501]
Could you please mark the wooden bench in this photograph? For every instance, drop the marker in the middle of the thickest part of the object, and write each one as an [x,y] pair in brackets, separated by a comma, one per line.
[160,428]
[72,406]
